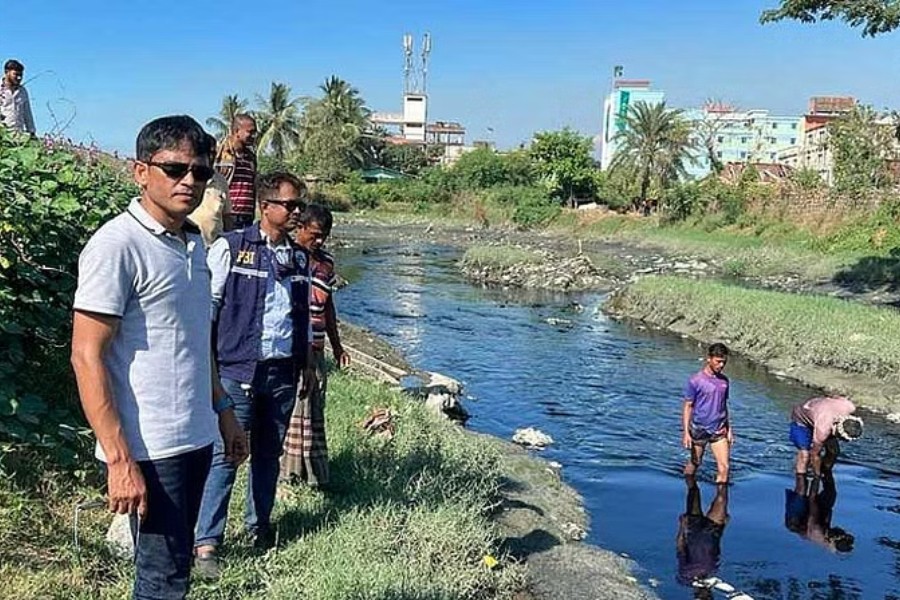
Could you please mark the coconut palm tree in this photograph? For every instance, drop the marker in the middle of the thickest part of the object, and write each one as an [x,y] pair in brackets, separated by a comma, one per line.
[654,145]
[278,119]
[232,105]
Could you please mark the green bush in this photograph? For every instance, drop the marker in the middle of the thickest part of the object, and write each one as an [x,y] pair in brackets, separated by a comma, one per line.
[53,199]
[535,209]
[485,168]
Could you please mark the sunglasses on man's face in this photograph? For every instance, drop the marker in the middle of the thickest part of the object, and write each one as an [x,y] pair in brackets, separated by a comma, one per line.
[177,170]
[288,205]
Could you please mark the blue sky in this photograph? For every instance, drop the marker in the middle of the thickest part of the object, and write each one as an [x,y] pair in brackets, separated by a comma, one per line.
[514,66]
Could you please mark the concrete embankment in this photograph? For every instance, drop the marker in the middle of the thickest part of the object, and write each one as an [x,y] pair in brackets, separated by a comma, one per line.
[835,345]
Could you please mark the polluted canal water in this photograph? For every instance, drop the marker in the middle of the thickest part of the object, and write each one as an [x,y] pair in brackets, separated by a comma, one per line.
[609,395]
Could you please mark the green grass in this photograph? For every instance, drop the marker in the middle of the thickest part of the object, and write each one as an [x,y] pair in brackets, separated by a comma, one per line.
[766,326]
[500,257]
[407,520]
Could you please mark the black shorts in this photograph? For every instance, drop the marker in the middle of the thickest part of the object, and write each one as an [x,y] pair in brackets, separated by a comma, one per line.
[701,437]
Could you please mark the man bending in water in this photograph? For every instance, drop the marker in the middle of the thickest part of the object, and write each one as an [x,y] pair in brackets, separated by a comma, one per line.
[704,414]
[816,425]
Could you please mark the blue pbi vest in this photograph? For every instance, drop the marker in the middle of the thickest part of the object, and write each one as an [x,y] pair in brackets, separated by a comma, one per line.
[239,322]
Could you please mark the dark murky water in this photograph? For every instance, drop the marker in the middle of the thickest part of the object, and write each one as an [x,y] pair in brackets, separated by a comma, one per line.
[609,395]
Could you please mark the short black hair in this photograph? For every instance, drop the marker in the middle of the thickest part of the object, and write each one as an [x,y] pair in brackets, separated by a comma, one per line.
[853,428]
[13,65]
[268,183]
[718,350]
[168,133]
[241,118]
[317,213]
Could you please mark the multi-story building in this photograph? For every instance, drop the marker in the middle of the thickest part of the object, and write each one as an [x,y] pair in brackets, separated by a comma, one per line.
[812,150]
[625,94]
[751,136]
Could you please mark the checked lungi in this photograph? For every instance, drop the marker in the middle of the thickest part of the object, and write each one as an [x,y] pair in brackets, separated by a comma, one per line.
[305,458]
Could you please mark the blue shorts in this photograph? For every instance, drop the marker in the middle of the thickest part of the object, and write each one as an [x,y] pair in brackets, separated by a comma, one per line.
[801,436]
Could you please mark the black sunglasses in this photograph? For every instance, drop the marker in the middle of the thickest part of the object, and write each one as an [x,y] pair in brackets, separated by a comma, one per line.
[177,170]
[289,205]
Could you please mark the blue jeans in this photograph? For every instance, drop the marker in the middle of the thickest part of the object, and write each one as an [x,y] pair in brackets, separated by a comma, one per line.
[164,548]
[264,411]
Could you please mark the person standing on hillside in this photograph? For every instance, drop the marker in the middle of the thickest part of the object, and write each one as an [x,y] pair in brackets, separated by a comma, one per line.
[142,356]
[236,161]
[260,291]
[305,450]
[15,106]
[704,416]
[213,216]
[816,426]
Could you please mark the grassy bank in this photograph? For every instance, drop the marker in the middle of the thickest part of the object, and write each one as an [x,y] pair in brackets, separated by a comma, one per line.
[500,256]
[826,342]
[407,520]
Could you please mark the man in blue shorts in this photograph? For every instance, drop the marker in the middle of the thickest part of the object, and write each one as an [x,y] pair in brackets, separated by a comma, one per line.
[704,414]
[816,426]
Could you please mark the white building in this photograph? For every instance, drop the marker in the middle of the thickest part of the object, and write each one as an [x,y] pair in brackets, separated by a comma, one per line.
[625,93]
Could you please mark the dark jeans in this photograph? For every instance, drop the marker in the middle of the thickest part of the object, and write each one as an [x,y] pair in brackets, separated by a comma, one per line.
[164,548]
[264,410]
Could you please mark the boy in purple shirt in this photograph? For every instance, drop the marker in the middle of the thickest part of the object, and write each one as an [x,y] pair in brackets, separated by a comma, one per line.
[704,414]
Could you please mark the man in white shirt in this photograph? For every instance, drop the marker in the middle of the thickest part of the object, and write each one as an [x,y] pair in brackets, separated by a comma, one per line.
[141,349]
[15,107]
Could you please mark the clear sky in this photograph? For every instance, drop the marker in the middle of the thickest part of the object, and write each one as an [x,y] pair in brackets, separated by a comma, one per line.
[516,66]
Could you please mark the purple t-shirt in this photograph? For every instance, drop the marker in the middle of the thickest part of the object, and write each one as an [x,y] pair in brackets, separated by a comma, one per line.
[709,393]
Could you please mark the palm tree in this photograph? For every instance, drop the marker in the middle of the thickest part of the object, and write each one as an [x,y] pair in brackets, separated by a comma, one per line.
[278,118]
[655,144]
[232,105]
[346,109]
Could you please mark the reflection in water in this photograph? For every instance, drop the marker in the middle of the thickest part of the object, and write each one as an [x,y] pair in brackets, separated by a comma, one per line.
[601,388]
[808,509]
[698,544]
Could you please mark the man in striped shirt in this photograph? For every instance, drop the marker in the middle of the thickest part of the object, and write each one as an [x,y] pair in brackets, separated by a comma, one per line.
[236,161]
[305,451]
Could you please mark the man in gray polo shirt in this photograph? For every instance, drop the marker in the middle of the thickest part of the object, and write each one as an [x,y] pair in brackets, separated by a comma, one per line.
[141,349]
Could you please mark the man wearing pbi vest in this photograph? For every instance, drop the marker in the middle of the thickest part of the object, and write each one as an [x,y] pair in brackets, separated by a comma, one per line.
[260,290]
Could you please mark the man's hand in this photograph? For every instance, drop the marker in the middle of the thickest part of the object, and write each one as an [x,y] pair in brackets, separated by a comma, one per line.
[127,490]
[234,438]
[686,440]
[730,436]
[343,359]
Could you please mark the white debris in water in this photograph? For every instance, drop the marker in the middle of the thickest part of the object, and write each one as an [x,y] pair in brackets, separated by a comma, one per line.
[532,437]
[574,532]
[893,417]
[654,582]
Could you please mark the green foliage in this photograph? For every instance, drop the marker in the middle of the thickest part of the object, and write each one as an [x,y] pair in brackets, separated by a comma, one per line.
[767,326]
[807,179]
[564,162]
[654,145]
[874,16]
[484,168]
[220,125]
[278,120]
[860,146]
[408,518]
[682,201]
[53,200]
[535,209]
[405,158]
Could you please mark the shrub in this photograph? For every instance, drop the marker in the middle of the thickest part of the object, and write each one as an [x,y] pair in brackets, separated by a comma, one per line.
[535,209]
[53,200]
